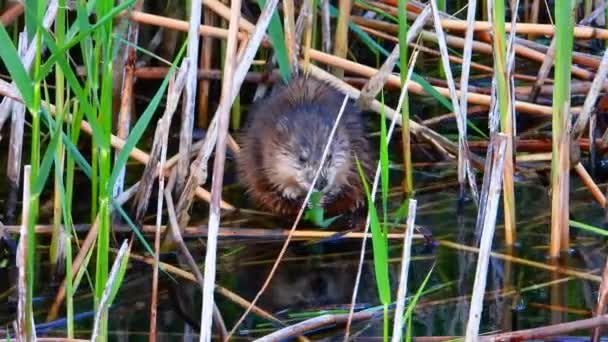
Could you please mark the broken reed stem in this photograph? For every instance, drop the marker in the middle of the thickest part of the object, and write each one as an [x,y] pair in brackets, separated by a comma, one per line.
[187,120]
[543,72]
[591,99]
[503,93]
[464,169]
[487,235]
[223,117]
[25,315]
[341,35]
[405,264]
[560,163]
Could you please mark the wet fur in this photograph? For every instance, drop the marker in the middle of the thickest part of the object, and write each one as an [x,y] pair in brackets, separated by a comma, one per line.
[302,113]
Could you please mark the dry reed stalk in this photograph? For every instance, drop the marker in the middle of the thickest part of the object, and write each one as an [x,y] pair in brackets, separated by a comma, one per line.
[489,226]
[296,220]
[375,83]
[312,324]
[464,168]
[125,94]
[374,189]
[179,240]
[591,99]
[326,26]
[526,262]
[405,264]
[307,14]
[289,30]
[602,299]
[161,134]
[548,331]
[223,118]
[206,64]
[543,72]
[187,119]
[102,307]
[13,167]
[341,35]
[224,232]
[28,58]
[161,139]
[25,317]
[590,184]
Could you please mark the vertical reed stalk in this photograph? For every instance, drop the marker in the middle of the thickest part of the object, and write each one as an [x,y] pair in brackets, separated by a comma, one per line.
[25,316]
[408,182]
[206,55]
[487,235]
[341,36]
[33,200]
[560,162]
[185,139]
[218,169]
[506,119]
[289,25]
[57,248]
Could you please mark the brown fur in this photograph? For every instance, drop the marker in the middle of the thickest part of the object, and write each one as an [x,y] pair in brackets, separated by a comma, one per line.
[292,123]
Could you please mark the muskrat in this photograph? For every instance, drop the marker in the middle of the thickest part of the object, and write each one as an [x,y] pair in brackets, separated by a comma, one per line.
[283,142]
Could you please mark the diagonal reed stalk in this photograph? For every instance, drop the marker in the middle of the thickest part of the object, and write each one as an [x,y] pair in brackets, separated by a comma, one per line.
[503,94]
[487,235]
[560,161]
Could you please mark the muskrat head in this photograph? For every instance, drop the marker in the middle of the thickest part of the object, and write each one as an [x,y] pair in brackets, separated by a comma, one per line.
[297,149]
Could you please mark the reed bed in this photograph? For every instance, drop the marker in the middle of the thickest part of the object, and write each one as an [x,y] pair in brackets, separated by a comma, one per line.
[119,200]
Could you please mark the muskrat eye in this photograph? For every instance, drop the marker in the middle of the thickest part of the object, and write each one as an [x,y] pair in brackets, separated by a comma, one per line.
[303,158]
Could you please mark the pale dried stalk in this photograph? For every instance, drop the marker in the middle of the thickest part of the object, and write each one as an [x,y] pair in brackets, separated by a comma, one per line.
[405,264]
[28,58]
[489,226]
[543,72]
[326,26]
[187,124]
[26,333]
[160,141]
[377,81]
[290,34]
[464,167]
[591,99]
[105,297]
[223,117]
[341,35]
[296,221]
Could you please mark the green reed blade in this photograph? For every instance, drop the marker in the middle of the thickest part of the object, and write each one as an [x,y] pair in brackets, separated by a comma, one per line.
[412,304]
[275,32]
[12,62]
[588,227]
[379,244]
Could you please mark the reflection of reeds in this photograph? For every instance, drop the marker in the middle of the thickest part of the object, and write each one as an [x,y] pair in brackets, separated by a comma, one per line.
[560,162]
